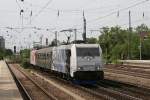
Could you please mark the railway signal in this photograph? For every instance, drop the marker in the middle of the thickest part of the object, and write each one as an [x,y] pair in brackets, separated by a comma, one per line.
[15,49]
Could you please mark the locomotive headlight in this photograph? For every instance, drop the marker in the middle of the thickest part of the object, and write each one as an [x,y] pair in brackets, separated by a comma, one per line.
[80,68]
[98,68]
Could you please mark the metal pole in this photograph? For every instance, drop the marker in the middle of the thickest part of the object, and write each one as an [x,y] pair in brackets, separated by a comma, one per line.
[41,40]
[56,37]
[21,15]
[75,33]
[140,49]
[129,37]
[84,28]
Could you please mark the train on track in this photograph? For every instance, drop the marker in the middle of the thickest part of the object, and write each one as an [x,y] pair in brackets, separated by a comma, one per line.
[82,63]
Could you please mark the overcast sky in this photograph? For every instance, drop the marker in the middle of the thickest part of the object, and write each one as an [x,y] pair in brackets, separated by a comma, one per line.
[57,15]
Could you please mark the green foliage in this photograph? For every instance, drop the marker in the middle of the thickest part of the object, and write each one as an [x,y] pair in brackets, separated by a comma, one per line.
[146,49]
[5,53]
[142,28]
[91,40]
[8,52]
[25,64]
[21,57]
[25,54]
[114,43]
[2,53]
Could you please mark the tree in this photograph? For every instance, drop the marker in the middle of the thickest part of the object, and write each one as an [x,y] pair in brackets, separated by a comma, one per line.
[142,28]
[91,40]
[8,52]
[25,54]
[2,53]
[114,43]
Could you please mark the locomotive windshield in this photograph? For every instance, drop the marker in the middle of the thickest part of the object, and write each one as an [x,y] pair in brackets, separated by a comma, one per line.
[82,52]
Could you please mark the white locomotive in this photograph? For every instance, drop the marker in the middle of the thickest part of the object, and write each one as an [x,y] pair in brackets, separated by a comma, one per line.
[80,62]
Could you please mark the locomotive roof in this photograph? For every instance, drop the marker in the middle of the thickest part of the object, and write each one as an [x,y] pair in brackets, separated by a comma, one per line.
[44,50]
[63,47]
[87,45]
[66,47]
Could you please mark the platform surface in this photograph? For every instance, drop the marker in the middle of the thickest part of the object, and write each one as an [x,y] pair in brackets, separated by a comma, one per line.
[8,88]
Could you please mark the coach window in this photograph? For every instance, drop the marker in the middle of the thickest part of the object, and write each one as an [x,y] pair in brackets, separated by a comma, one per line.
[43,56]
[36,55]
[40,56]
[47,55]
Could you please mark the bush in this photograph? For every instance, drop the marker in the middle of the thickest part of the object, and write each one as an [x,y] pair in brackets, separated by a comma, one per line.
[25,64]
[1,58]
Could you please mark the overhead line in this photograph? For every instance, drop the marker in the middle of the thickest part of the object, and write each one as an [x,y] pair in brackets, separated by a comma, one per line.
[42,9]
[72,10]
[114,12]
[133,22]
[18,4]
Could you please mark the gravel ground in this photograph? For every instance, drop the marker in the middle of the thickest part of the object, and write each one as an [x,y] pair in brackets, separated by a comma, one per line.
[62,90]
[32,89]
[138,81]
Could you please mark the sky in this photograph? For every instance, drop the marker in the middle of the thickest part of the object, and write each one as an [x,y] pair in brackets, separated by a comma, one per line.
[48,16]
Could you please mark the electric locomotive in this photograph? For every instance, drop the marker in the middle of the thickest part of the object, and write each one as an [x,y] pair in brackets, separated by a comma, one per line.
[82,63]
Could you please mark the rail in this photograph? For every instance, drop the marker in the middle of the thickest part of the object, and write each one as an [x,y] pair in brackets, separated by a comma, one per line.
[27,95]
[20,86]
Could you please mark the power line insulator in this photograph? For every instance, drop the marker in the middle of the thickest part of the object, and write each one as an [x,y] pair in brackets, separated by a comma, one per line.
[21,11]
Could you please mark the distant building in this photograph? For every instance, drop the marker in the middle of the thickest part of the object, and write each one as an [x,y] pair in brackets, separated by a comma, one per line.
[2,43]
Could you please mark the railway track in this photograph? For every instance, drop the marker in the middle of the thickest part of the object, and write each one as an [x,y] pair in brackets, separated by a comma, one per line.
[117,95]
[76,93]
[130,68]
[86,93]
[127,89]
[128,72]
[105,90]
[32,90]
[98,91]
[135,66]
[136,87]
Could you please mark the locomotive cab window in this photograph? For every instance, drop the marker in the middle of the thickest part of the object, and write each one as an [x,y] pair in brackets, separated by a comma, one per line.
[82,52]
